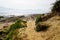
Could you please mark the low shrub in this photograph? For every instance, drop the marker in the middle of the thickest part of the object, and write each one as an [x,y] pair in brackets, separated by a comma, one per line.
[1,17]
[39,19]
[40,27]
[18,24]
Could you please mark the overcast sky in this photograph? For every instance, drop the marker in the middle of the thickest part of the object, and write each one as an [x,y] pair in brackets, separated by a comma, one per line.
[40,5]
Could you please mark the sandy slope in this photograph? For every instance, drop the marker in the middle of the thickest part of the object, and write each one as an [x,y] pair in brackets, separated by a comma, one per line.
[7,25]
[53,32]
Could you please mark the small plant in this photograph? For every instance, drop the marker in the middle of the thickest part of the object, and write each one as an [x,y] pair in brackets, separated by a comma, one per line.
[40,27]
[39,19]
[17,25]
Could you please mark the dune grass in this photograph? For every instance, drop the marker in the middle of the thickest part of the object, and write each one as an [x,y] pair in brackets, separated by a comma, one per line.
[18,24]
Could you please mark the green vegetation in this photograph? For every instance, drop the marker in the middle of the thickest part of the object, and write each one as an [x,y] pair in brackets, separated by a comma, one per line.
[38,19]
[17,25]
[56,7]
[40,27]
[1,17]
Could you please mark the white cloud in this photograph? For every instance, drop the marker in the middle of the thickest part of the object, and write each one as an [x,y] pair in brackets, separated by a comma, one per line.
[23,6]
[26,4]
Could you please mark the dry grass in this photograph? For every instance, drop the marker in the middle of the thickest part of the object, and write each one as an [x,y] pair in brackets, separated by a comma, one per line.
[53,32]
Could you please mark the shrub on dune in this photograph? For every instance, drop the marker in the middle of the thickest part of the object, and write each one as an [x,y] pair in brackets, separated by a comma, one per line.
[18,24]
